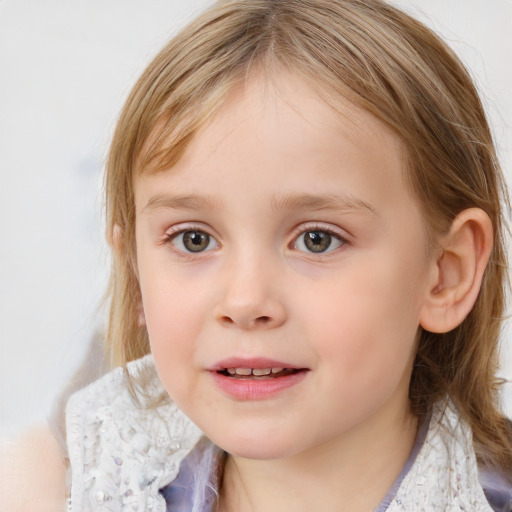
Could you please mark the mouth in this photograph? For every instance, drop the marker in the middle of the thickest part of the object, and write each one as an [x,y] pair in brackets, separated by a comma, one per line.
[270,373]
[248,379]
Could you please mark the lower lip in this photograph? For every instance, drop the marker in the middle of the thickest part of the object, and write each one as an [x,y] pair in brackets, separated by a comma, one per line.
[247,389]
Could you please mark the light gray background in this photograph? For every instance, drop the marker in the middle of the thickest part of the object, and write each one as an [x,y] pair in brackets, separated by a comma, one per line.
[65,68]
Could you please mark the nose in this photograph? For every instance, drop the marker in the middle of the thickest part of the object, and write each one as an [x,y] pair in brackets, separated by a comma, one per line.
[252,297]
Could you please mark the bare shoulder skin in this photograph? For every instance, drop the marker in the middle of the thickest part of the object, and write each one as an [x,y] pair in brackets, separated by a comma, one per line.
[32,472]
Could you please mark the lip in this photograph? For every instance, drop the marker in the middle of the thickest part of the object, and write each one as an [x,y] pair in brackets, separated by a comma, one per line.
[252,362]
[252,389]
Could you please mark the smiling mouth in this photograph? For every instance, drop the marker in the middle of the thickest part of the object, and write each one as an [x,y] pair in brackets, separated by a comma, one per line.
[258,373]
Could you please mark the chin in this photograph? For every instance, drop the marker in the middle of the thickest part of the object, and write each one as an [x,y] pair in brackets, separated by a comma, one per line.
[266,446]
[257,452]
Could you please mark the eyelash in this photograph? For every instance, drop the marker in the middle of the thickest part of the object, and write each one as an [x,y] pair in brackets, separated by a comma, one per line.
[171,237]
[319,228]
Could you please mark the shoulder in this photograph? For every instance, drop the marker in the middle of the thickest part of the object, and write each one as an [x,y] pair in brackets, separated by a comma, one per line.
[32,472]
[125,438]
[497,489]
[128,390]
[496,483]
[445,471]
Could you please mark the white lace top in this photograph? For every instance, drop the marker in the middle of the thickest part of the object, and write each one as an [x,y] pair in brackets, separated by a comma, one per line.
[122,454]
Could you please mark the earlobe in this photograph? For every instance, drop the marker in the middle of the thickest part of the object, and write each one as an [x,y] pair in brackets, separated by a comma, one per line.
[458,271]
[117,237]
[117,243]
[141,316]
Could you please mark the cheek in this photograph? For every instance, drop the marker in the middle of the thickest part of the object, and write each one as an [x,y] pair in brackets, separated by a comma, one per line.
[171,299]
[366,322]
[174,319]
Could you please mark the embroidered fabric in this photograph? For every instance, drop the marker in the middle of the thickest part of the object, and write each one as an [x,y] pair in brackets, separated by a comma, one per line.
[122,453]
[195,487]
[197,468]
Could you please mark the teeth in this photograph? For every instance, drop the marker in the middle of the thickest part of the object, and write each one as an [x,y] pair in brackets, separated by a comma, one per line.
[255,371]
[263,371]
[243,371]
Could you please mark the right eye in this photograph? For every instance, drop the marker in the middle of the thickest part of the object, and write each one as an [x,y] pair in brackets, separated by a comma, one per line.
[193,240]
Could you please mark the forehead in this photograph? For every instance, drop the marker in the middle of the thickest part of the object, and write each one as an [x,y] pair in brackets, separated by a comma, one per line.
[282,129]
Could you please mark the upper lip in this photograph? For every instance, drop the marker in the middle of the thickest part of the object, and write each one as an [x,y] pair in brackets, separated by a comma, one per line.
[252,362]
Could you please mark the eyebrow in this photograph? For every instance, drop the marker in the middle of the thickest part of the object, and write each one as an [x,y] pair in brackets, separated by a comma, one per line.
[327,202]
[186,202]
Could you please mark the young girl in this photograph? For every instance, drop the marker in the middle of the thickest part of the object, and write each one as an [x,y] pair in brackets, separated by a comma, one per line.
[304,206]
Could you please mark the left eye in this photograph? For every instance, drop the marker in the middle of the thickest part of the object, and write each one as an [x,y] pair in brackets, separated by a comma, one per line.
[193,241]
[317,241]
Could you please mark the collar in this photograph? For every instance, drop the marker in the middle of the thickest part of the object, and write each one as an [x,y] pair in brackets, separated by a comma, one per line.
[122,452]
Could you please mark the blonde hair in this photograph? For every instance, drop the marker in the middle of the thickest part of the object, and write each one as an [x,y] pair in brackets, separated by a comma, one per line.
[383,61]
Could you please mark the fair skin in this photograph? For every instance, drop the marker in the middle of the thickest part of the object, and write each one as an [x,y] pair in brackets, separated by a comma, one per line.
[268,282]
[227,270]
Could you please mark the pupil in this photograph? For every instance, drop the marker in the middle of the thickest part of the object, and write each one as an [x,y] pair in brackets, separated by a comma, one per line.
[317,241]
[196,241]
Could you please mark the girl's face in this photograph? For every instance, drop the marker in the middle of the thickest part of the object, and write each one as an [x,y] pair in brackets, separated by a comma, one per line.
[284,239]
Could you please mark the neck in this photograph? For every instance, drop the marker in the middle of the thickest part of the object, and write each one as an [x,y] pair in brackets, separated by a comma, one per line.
[351,472]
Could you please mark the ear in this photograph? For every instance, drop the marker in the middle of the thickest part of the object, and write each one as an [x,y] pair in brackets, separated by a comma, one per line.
[117,237]
[458,271]
[118,244]
[141,316]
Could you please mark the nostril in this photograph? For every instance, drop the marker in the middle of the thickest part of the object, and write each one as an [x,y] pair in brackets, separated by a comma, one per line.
[258,321]
[226,320]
